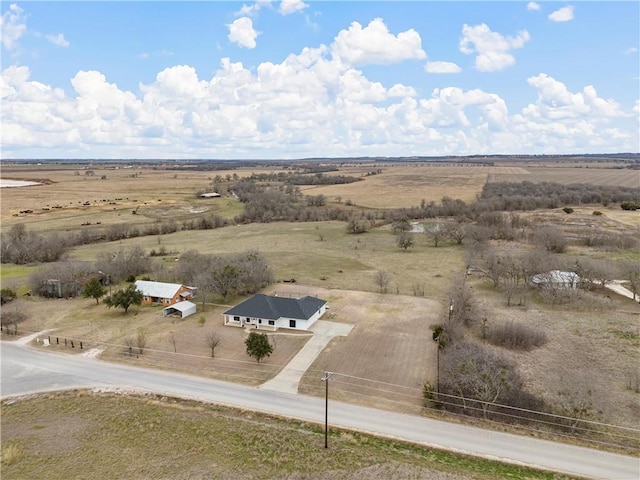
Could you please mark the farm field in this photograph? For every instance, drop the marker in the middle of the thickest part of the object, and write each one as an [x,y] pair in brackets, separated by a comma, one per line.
[590,175]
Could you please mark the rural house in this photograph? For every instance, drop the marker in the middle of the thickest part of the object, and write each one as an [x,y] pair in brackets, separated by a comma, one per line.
[556,279]
[264,311]
[164,293]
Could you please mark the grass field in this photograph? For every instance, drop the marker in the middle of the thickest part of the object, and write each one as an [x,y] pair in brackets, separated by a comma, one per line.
[590,352]
[95,436]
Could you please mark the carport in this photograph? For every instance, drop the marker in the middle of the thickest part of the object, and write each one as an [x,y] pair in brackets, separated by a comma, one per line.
[184,308]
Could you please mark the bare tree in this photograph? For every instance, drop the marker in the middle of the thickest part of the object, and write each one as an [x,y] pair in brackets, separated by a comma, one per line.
[173,341]
[129,342]
[404,240]
[631,273]
[213,340]
[436,233]
[382,279]
[11,317]
[141,340]
[550,238]
[478,376]
[456,231]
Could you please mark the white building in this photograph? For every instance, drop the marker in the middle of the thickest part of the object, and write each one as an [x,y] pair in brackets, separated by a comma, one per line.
[267,312]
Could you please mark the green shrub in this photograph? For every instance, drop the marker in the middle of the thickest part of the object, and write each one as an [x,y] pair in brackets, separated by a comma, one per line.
[567,210]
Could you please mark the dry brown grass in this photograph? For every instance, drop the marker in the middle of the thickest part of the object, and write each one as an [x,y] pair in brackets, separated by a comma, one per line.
[407,185]
[581,173]
[89,435]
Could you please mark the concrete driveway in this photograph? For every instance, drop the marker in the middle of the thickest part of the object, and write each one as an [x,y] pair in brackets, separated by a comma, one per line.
[289,377]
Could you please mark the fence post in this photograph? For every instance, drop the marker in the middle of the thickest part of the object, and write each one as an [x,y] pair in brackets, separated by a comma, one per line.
[65,342]
[57,340]
[80,344]
[72,346]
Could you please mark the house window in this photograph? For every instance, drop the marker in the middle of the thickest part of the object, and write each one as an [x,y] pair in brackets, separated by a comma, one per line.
[236,319]
[292,323]
[272,322]
[260,320]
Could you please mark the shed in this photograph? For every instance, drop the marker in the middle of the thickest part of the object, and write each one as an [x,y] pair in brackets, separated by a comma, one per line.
[184,308]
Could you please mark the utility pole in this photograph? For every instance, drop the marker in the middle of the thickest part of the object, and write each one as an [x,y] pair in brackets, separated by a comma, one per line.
[325,379]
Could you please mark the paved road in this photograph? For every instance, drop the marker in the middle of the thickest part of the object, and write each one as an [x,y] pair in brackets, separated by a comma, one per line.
[25,370]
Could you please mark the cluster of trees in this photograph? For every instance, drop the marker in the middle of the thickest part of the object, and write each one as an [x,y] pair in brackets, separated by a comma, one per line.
[22,247]
[225,276]
[475,378]
[291,178]
[509,196]
[123,263]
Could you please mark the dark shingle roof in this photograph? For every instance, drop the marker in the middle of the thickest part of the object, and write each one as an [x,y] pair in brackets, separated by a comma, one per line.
[272,308]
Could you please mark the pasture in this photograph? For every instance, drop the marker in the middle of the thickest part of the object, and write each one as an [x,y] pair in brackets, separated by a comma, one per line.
[390,352]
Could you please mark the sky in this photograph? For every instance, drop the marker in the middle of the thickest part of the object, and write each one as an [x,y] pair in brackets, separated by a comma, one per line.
[297,79]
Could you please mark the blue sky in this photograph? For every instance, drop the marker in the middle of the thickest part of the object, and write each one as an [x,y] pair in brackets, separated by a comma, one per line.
[296,79]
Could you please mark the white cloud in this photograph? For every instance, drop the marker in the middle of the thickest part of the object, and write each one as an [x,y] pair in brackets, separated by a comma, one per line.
[58,40]
[241,32]
[253,9]
[563,14]
[12,25]
[631,50]
[309,104]
[156,53]
[442,67]
[555,101]
[374,44]
[533,6]
[492,48]
[291,6]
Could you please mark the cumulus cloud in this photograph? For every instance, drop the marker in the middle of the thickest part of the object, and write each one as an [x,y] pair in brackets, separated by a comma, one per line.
[12,25]
[309,104]
[533,6]
[374,44]
[492,48]
[242,33]
[563,14]
[442,67]
[555,101]
[291,6]
[58,40]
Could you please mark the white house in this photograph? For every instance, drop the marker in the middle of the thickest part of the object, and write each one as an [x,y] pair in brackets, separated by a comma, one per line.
[556,278]
[267,312]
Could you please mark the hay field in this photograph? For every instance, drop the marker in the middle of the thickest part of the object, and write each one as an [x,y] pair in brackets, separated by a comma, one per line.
[593,175]
[406,185]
